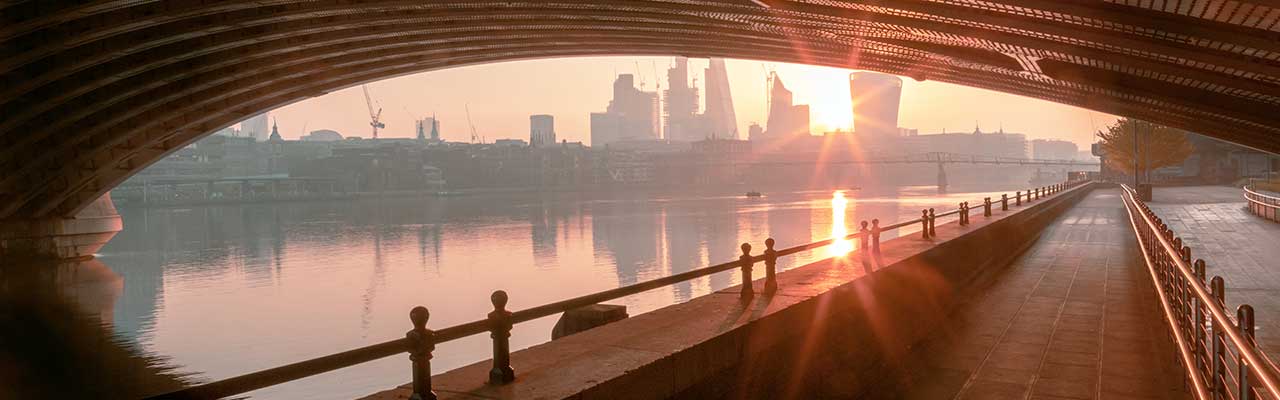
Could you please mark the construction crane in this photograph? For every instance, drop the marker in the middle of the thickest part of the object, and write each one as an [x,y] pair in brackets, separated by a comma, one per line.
[472,124]
[373,116]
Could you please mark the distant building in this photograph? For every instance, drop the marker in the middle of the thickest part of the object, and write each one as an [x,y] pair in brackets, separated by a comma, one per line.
[256,127]
[1053,149]
[785,119]
[428,129]
[631,115]
[228,131]
[680,105]
[322,135]
[993,144]
[542,130]
[721,121]
[755,131]
[875,103]
[275,152]
[510,143]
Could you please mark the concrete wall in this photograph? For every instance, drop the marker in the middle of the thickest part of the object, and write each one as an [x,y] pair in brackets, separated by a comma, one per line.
[832,329]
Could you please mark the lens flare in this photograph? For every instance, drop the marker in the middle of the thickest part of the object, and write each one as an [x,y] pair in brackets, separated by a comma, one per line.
[840,246]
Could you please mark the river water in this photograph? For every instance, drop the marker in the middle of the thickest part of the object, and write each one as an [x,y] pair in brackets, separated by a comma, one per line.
[218,291]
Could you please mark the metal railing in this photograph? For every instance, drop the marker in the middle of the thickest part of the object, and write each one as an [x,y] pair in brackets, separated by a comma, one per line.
[1219,353]
[1265,206]
[420,342]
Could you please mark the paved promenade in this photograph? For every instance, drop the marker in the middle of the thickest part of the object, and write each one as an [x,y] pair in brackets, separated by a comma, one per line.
[1239,246]
[1073,318]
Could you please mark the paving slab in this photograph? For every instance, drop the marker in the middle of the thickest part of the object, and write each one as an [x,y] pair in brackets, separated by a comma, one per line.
[1241,247]
[1074,317]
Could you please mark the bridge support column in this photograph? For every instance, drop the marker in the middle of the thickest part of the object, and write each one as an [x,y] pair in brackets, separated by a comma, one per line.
[58,238]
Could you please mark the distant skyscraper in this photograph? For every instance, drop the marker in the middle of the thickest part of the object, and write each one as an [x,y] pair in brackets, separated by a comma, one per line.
[875,103]
[631,115]
[428,129]
[680,103]
[256,127]
[721,120]
[542,131]
[755,131]
[785,119]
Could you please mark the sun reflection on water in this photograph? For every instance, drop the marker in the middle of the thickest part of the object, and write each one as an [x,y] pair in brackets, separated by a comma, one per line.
[840,246]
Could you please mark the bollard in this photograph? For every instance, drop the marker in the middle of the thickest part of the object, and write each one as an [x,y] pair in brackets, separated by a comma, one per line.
[770,267]
[933,224]
[421,344]
[1019,198]
[1218,373]
[962,214]
[875,237]
[924,223]
[745,260]
[500,331]
[986,207]
[1244,318]
[1004,202]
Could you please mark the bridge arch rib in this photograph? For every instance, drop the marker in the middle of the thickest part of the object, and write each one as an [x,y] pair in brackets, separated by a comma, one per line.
[94,91]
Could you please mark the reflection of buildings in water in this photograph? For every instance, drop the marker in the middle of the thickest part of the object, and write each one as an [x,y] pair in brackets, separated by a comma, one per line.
[683,249]
[788,226]
[628,231]
[720,233]
[542,234]
[429,236]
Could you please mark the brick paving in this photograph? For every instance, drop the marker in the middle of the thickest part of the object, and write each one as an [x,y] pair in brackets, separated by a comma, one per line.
[1074,317]
[1239,246]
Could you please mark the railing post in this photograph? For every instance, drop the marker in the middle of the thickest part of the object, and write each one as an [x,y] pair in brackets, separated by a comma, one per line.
[500,331]
[863,247]
[1200,359]
[1244,318]
[933,224]
[770,267]
[745,260]
[1019,198]
[924,224]
[1219,368]
[421,344]
[1004,202]
[962,214]
[875,237]
[986,207]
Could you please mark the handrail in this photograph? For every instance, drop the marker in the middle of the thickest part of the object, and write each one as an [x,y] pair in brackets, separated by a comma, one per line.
[1160,243]
[420,342]
[1249,192]
[1265,206]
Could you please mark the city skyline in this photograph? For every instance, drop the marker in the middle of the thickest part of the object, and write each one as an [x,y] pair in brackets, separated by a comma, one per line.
[502,96]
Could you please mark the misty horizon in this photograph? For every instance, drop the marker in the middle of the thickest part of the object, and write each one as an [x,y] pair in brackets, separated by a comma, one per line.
[500,98]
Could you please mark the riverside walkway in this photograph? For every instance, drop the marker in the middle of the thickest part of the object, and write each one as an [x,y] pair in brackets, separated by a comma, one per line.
[1074,317]
[1241,247]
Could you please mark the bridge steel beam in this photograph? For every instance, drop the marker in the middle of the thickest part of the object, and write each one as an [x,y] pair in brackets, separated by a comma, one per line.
[91,92]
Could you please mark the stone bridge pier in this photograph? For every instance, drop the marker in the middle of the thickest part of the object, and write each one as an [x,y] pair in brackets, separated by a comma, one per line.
[60,238]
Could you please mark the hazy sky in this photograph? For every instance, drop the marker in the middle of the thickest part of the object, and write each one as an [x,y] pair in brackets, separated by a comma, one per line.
[501,97]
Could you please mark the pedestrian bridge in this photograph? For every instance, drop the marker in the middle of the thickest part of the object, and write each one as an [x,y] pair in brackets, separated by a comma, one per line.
[1076,291]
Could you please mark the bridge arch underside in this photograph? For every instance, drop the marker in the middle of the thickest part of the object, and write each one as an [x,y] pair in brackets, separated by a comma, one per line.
[93,91]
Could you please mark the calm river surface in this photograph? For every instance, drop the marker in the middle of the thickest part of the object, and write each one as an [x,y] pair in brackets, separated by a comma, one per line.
[224,290]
